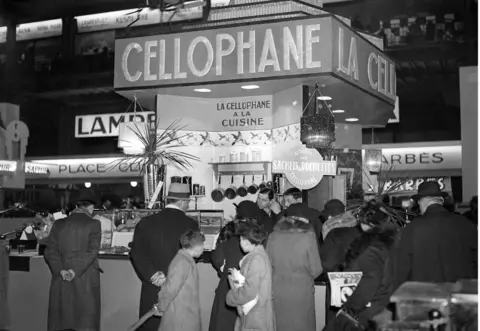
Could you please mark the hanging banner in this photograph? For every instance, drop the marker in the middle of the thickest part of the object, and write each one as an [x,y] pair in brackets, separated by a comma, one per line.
[303,167]
[208,114]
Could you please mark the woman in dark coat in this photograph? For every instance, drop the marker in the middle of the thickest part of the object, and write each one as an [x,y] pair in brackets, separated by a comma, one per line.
[369,254]
[226,255]
[293,252]
[72,254]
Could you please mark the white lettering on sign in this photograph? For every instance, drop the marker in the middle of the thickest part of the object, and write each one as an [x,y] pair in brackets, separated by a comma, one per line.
[386,80]
[107,125]
[420,158]
[8,166]
[411,185]
[91,168]
[300,48]
[122,18]
[351,66]
[35,30]
[36,169]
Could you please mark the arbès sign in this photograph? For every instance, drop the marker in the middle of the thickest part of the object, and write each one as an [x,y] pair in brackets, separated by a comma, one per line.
[107,125]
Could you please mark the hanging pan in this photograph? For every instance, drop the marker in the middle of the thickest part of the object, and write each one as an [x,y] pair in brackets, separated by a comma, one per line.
[243,190]
[253,188]
[218,194]
[231,192]
[263,184]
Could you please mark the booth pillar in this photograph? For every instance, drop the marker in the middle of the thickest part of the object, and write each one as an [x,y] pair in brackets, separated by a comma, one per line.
[469,130]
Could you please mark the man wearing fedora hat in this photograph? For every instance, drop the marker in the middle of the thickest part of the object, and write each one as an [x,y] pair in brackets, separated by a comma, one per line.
[155,244]
[72,254]
[438,246]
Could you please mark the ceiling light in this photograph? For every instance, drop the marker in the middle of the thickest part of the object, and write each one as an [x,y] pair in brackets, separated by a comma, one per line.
[134,183]
[338,111]
[351,119]
[88,184]
[202,90]
[250,87]
[324,98]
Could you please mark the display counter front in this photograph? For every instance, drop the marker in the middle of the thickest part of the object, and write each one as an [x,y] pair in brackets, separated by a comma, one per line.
[120,293]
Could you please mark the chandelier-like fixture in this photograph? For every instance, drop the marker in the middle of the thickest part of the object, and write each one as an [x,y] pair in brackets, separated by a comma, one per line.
[318,130]
[373,160]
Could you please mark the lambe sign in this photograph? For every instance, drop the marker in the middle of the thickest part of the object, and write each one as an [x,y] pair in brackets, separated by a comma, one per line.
[107,125]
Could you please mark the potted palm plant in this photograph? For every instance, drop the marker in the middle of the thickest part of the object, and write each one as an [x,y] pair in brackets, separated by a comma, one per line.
[153,151]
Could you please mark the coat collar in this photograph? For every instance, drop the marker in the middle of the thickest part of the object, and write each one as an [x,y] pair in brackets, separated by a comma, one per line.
[186,255]
[295,226]
[434,209]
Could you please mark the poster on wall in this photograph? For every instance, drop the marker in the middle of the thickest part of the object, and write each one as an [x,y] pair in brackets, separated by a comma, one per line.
[343,284]
[209,114]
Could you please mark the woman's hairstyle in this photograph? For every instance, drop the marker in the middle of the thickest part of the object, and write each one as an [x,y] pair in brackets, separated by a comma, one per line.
[269,192]
[191,239]
[253,232]
[228,231]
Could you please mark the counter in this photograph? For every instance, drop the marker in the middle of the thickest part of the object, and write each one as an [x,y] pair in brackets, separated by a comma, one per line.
[120,290]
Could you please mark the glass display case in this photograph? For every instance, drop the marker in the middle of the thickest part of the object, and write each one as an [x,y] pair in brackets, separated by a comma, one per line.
[118,227]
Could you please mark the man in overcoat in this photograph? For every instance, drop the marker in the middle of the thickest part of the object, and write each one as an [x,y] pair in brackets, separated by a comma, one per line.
[155,244]
[438,246]
[72,254]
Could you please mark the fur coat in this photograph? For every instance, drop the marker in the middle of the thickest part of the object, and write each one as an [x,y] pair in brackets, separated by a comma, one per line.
[293,252]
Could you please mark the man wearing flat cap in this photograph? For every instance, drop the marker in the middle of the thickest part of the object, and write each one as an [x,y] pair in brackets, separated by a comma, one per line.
[156,241]
[438,246]
[72,255]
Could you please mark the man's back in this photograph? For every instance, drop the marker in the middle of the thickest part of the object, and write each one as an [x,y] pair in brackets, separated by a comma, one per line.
[157,239]
[437,247]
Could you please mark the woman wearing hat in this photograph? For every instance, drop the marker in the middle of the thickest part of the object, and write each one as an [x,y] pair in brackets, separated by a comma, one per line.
[72,254]
[369,254]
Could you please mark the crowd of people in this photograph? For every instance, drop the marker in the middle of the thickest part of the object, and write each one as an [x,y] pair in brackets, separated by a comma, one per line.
[267,260]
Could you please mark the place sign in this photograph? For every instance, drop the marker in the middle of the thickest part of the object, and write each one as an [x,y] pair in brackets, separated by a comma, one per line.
[305,168]
[411,184]
[107,125]
[110,167]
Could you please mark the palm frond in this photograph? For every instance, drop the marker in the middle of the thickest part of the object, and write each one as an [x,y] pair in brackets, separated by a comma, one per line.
[158,147]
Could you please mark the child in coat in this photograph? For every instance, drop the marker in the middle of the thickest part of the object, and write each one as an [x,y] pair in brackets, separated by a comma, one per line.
[179,298]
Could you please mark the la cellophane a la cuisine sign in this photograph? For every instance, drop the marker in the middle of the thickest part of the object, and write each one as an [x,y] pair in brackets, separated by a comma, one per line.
[297,48]
[303,167]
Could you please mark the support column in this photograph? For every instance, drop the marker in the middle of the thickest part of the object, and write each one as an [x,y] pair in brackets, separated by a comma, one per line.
[69,32]
[12,75]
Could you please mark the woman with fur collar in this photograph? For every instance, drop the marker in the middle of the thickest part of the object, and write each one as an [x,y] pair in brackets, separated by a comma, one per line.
[369,254]
[293,252]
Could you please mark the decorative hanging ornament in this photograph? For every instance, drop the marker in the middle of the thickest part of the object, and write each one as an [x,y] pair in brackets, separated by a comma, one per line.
[318,130]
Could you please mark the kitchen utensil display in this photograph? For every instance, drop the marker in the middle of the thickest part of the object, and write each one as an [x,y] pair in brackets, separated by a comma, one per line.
[253,188]
[231,192]
[263,184]
[243,190]
[176,179]
[218,194]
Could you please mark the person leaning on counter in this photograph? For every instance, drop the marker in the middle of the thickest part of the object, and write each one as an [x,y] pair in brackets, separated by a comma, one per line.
[155,244]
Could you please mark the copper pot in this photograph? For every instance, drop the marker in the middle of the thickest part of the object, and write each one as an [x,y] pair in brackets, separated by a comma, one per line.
[253,188]
[243,190]
[218,194]
[231,192]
